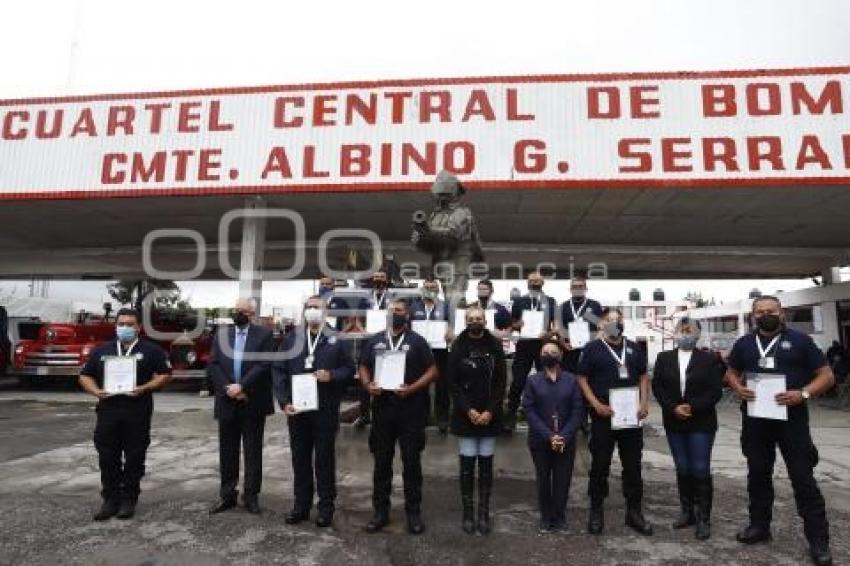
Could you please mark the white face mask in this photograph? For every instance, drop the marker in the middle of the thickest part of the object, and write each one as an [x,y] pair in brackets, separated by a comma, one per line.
[313,315]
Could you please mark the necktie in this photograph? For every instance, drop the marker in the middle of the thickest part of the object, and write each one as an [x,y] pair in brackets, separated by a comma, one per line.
[238,349]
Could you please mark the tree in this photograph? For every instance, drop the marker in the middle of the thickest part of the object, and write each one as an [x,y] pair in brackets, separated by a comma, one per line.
[695,297]
[135,291]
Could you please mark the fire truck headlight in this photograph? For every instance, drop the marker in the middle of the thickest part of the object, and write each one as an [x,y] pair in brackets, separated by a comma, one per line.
[191,357]
[19,350]
[85,352]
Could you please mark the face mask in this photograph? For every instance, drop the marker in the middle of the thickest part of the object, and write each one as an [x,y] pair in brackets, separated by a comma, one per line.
[399,320]
[240,319]
[549,361]
[325,291]
[430,294]
[475,328]
[579,293]
[686,342]
[484,294]
[125,333]
[379,284]
[612,329]
[769,322]
[313,315]
[535,287]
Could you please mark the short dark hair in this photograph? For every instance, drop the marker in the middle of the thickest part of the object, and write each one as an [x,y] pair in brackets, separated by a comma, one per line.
[486,282]
[129,312]
[399,300]
[554,342]
[773,298]
[689,321]
[608,310]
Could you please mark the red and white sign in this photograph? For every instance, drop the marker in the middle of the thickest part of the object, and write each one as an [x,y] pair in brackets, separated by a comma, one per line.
[644,130]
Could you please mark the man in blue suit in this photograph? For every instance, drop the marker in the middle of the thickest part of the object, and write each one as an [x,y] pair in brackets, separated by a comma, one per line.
[243,399]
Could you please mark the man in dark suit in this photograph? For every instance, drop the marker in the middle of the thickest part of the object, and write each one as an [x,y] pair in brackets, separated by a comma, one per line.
[688,383]
[240,372]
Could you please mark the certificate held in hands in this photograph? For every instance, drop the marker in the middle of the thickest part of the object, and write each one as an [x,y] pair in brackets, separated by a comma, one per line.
[389,370]
[532,324]
[624,402]
[376,321]
[434,331]
[305,392]
[766,386]
[119,374]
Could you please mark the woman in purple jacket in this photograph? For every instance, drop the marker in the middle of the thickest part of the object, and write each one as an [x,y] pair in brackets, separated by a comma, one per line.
[554,409]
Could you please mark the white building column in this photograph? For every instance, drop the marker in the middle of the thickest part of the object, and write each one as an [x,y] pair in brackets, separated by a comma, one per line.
[831,275]
[252,251]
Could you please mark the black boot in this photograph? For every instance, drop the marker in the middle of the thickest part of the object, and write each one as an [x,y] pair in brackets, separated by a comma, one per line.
[108,510]
[596,519]
[378,521]
[485,488]
[704,498]
[127,509]
[636,520]
[686,500]
[819,551]
[467,489]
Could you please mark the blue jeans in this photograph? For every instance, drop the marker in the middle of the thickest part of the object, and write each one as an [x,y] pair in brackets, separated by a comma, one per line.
[692,452]
[472,446]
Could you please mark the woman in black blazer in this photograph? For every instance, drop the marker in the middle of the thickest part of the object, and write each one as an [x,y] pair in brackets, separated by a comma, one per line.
[688,396]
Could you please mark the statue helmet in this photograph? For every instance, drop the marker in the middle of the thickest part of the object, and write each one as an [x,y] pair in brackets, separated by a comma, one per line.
[448,185]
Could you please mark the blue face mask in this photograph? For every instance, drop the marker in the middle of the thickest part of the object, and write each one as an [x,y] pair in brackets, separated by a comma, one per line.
[686,342]
[125,333]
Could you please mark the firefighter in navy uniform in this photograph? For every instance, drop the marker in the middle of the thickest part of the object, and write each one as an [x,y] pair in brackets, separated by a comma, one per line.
[582,310]
[313,349]
[398,416]
[430,307]
[122,431]
[527,350]
[776,349]
[608,362]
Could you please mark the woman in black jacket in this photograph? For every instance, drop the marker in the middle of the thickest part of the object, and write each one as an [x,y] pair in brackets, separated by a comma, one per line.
[688,383]
[476,379]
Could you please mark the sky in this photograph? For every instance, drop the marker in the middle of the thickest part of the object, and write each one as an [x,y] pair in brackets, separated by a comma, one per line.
[51,48]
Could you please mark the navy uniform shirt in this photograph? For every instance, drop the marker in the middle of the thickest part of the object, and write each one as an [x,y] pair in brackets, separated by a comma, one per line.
[419,310]
[583,310]
[418,359]
[151,359]
[330,354]
[527,303]
[603,371]
[797,356]
[501,318]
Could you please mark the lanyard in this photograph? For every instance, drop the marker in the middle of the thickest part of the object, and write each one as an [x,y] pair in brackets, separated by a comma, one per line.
[311,346]
[378,300]
[620,360]
[764,351]
[537,306]
[429,311]
[395,347]
[577,314]
[129,349]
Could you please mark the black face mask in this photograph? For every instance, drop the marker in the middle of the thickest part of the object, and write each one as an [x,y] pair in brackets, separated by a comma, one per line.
[240,319]
[475,328]
[769,322]
[549,361]
[399,320]
[379,284]
[608,329]
[535,287]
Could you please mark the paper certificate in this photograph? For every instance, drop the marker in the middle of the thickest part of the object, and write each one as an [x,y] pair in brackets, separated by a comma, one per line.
[389,370]
[376,321]
[766,386]
[460,321]
[579,331]
[490,320]
[305,392]
[434,331]
[532,324]
[119,374]
[624,402]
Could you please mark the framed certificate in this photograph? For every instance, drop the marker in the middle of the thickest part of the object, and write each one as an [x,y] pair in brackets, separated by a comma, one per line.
[376,321]
[305,392]
[119,374]
[532,324]
[624,401]
[766,386]
[389,370]
[434,331]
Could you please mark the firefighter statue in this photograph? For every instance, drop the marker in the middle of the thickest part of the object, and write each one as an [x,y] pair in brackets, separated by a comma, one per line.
[449,235]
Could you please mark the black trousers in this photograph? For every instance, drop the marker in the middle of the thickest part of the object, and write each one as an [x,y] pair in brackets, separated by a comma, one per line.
[312,435]
[554,471]
[629,443]
[122,434]
[527,356]
[442,400]
[394,420]
[244,428]
[759,440]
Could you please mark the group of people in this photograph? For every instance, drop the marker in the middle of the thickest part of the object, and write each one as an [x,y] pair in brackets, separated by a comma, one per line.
[580,364]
